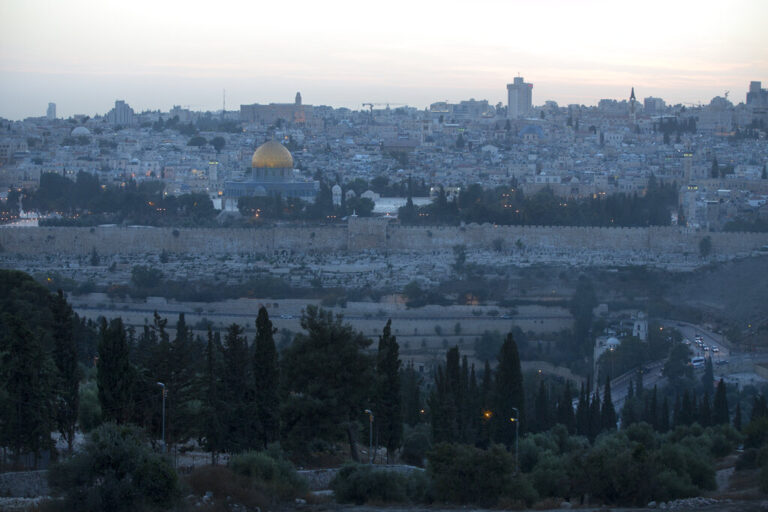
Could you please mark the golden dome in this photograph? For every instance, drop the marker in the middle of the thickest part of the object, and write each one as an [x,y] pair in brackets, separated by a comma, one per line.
[272,154]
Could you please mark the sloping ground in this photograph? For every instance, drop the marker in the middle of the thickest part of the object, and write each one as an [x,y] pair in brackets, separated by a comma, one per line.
[736,291]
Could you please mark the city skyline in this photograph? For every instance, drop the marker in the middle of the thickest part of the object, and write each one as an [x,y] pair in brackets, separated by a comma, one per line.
[83,55]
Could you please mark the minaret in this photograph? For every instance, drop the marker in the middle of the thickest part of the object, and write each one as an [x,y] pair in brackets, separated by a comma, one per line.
[632,102]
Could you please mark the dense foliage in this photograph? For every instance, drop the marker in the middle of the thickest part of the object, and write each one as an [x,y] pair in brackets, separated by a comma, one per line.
[116,471]
[509,206]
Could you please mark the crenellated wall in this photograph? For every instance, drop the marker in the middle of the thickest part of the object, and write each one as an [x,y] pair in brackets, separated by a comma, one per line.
[361,234]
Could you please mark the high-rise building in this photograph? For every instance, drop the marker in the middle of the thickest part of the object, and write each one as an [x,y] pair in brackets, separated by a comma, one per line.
[653,105]
[757,96]
[519,98]
[121,115]
[50,114]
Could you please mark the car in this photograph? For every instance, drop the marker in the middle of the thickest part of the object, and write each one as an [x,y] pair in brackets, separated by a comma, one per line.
[715,349]
[706,348]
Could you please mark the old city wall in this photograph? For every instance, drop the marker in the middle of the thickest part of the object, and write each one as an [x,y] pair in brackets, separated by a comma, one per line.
[661,240]
[127,240]
[370,234]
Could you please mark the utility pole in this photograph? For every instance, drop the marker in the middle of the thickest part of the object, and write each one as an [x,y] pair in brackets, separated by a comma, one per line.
[370,435]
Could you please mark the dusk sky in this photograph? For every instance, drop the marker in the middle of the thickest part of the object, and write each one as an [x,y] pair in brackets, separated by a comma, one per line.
[83,55]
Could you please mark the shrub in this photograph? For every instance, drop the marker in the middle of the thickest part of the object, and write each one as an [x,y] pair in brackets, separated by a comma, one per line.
[519,491]
[275,475]
[221,481]
[358,483]
[115,471]
[465,474]
[416,445]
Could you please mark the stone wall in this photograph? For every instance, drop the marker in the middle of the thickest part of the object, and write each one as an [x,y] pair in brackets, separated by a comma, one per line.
[361,234]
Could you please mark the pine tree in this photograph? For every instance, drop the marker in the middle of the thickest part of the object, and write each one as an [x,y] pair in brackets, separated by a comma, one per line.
[68,375]
[388,410]
[115,375]
[27,407]
[608,414]
[720,414]
[508,393]
[737,417]
[266,380]
[677,412]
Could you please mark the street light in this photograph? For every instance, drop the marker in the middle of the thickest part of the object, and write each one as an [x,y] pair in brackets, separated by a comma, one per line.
[370,435]
[165,392]
[516,421]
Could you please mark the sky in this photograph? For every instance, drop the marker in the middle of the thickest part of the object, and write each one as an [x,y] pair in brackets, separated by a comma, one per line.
[83,55]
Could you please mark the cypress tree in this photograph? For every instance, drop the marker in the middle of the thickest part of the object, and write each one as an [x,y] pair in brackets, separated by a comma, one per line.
[639,389]
[266,380]
[759,408]
[720,414]
[115,376]
[238,415]
[508,393]
[608,415]
[464,418]
[708,379]
[595,420]
[705,412]
[653,410]
[582,413]
[737,417]
[213,433]
[388,412]
[677,412]
[541,409]
[441,432]
[686,411]
[486,405]
[452,395]
[65,357]
[474,410]
[410,384]
[664,416]
[565,409]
